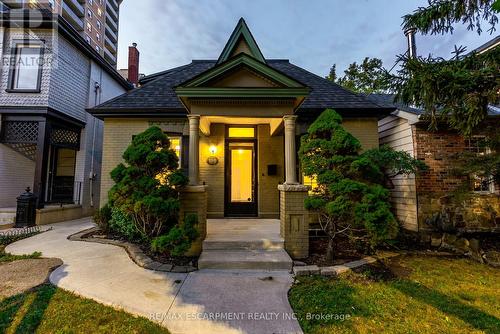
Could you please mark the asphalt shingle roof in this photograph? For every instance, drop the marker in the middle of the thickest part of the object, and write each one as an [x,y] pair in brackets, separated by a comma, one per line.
[158,90]
[388,101]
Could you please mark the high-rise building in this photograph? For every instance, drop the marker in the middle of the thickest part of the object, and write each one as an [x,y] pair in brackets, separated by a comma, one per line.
[96,20]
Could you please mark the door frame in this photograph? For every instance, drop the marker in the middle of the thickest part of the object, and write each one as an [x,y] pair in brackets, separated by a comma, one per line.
[253,209]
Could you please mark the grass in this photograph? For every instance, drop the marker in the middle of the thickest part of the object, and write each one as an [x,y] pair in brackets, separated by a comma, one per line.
[420,295]
[6,257]
[47,309]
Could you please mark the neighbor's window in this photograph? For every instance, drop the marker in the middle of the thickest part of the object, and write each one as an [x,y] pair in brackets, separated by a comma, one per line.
[26,67]
[480,183]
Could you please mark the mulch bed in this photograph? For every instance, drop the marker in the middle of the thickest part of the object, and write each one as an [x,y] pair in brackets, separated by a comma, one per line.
[162,258]
[22,275]
[165,258]
[344,253]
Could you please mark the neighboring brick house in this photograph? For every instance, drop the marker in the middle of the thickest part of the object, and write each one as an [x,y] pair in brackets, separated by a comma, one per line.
[49,75]
[417,198]
[235,123]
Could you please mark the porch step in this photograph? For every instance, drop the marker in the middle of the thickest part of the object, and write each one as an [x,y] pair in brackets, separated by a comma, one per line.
[265,244]
[245,259]
[7,218]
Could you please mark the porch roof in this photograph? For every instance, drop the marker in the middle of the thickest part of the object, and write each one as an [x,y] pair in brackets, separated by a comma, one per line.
[157,94]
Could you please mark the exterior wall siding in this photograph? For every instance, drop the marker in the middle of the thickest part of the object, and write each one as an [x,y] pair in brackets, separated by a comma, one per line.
[25,99]
[69,83]
[117,137]
[213,175]
[271,152]
[16,173]
[396,132]
[365,129]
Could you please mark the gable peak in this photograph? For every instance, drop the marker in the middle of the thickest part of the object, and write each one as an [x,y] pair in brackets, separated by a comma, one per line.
[241,41]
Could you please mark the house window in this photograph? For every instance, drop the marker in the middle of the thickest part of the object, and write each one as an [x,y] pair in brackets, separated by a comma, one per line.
[310,181]
[99,11]
[98,24]
[176,145]
[89,26]
[26,67]
[87,38]
[480,183]
[241,132]
[98,37]
[91,2]
[90,14]
[97,48]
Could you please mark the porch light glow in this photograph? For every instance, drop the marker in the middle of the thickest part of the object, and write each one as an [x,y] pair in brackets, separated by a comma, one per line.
[212,149]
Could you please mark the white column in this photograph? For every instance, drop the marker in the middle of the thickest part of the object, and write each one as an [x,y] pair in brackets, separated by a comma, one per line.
[290,150]
[194,148]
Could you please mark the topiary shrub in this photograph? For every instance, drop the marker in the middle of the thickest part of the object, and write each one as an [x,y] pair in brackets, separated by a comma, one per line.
[179,239]
[123,225]
[350,196]
[102,217]
[146,187]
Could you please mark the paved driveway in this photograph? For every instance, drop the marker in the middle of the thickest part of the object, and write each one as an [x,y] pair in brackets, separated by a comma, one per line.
[200,302]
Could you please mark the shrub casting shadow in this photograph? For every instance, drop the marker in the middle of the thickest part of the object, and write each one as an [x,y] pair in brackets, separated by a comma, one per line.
[32,318]
[452,306]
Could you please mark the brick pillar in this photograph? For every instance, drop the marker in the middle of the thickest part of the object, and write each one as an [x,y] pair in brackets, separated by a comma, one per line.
[194,200]
[294,219]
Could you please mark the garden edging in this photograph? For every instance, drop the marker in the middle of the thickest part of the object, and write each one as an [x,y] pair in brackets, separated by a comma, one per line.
[339,269]
[134,252]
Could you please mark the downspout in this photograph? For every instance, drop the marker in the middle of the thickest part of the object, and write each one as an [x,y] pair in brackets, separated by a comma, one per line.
[97,89]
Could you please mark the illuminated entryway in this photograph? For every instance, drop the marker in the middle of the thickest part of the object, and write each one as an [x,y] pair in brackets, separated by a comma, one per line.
[240,172]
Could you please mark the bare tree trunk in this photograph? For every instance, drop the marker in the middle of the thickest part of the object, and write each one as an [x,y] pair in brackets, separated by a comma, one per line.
[330,251]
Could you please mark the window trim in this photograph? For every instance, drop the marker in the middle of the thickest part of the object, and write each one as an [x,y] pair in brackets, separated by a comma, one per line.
[13,67]
[175,135]
[491,185]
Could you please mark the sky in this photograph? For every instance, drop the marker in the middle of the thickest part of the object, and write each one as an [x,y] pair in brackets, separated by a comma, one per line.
[313,34]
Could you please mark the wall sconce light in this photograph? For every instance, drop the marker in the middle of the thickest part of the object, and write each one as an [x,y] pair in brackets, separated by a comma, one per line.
[213,149]
[212,159]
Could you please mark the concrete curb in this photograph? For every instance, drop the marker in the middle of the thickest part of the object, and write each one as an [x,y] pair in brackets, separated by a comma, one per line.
[134,252]
[340,269]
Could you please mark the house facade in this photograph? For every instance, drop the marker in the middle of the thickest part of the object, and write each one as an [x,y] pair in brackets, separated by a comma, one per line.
[416,199]
[48,142]
[235,123]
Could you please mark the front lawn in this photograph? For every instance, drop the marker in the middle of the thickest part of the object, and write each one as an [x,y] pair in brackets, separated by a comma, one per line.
[47,309]
[407,295]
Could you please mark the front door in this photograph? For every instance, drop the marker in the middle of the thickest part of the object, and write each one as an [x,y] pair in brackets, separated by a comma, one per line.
[241,178]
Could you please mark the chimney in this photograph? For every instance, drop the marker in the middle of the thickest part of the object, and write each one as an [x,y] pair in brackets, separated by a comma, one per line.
[412,46]
[133,64]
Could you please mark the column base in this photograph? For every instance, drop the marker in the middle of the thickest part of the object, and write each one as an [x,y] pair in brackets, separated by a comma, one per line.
[194,201]
[294,219]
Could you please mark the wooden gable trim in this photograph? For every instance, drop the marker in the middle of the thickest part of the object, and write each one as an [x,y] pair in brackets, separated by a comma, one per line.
[243,60]
[241,31]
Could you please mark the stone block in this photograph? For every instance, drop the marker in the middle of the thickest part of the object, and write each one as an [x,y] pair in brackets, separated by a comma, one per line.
[165,267]
[436,239]
[329,271]
[306,270]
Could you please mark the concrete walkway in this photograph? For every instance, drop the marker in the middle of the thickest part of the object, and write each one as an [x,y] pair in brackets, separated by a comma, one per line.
[206,301]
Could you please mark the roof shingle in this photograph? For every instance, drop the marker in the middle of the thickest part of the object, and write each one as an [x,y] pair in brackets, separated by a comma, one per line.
[158,90]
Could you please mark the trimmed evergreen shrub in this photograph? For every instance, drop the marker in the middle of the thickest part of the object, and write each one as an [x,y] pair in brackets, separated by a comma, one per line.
[350,197]
[178,240]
